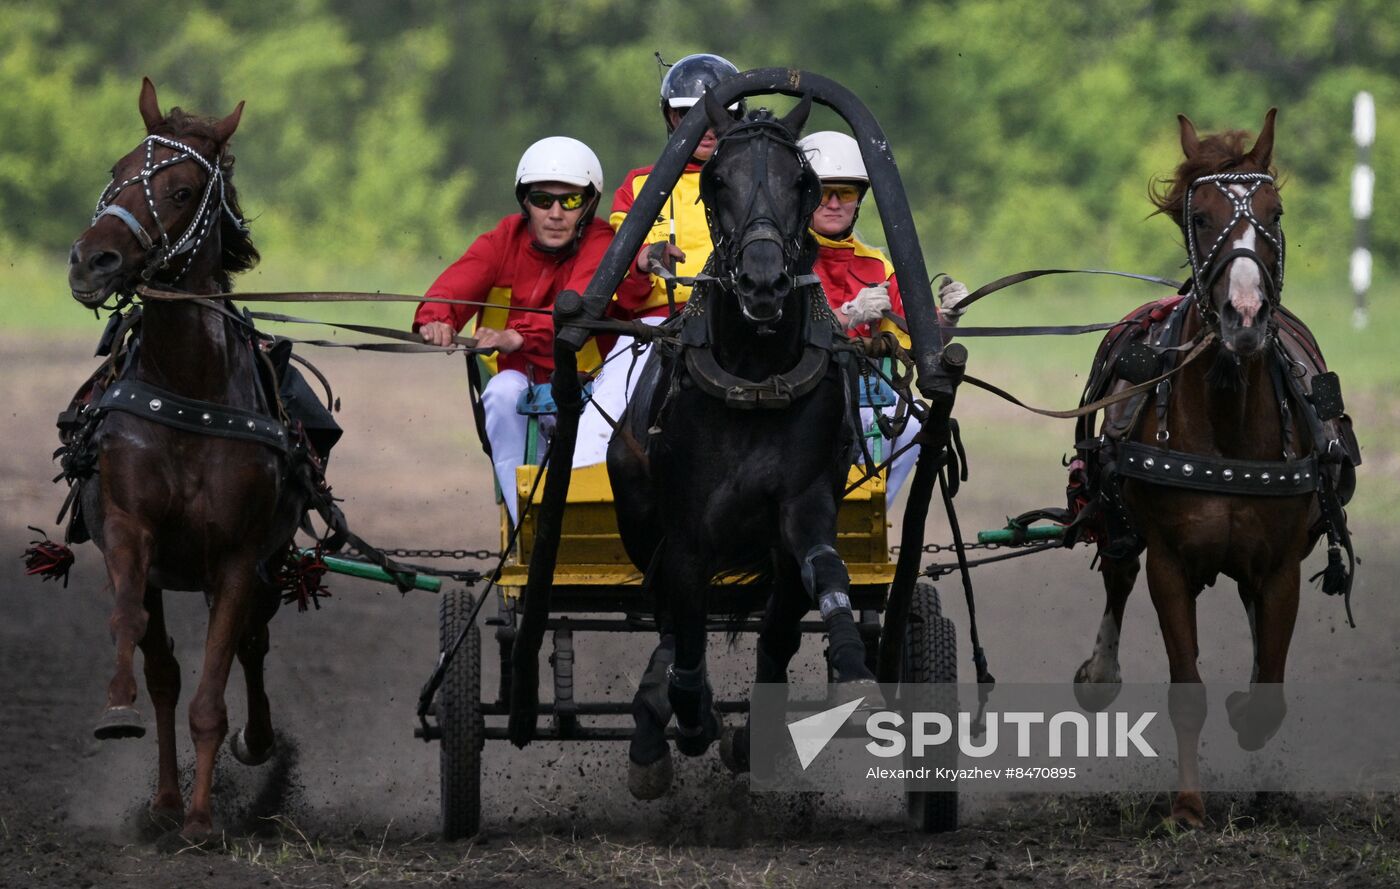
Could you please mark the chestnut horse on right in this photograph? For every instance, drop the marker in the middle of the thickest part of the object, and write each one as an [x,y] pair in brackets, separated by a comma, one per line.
[1235,464]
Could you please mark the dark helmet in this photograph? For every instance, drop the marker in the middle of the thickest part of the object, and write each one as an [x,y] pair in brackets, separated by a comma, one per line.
[688,79]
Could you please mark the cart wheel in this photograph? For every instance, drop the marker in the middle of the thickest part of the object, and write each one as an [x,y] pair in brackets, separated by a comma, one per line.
[459,718]
[931,655]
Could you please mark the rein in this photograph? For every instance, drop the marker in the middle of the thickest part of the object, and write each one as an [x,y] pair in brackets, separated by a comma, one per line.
[1197,349]
[1008,280]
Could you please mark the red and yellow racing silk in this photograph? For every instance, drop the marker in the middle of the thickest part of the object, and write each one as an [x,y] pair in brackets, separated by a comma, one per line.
[848,266]
[692,236]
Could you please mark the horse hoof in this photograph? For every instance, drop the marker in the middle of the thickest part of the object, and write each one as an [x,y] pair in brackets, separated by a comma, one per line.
[197,837]
[648,782]
[711,727]
[1095,696]
[119,722]
[734,751]
[694,745]
[238,746]
[867,691]
[1253,724]
[1188,811]
[165,819]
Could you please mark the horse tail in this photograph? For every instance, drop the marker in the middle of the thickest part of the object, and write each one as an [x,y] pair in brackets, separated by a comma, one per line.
[753,585]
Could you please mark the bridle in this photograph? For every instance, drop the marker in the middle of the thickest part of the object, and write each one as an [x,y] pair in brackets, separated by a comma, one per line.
[1206,270]
[162,250]
[757,223]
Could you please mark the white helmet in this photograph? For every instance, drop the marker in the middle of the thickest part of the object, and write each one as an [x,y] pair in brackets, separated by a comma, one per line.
[559,159]
[834,155]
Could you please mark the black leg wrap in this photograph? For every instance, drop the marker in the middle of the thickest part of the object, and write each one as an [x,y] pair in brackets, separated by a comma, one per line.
[651,707]
[823,571]
[696,725]
[827,581]
[845,650]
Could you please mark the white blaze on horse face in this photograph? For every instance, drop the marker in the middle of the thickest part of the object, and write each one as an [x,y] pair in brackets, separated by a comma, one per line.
[1246,288]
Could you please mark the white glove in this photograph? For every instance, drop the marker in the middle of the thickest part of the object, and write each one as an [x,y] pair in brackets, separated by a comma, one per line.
[869,305]
[950,294]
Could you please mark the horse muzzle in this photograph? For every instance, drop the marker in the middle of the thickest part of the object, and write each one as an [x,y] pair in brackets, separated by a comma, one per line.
[94,274]
[1244,341]
[762,286]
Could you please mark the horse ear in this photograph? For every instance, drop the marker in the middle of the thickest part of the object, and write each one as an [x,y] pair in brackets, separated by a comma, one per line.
[796,119]
[1263,150]
[150,108]
[720,121]
[223,130]
[1190,142]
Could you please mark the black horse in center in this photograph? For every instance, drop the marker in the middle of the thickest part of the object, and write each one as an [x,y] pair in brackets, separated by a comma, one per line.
[733,454]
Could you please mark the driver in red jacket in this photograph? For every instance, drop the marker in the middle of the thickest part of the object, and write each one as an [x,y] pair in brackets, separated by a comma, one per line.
[859,281]
[553,244]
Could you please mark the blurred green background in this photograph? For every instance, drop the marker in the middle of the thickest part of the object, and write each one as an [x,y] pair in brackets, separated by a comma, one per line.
[378,138]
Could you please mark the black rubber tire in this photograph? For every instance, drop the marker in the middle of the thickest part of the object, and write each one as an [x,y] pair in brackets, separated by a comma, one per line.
[931,655]
[459,717]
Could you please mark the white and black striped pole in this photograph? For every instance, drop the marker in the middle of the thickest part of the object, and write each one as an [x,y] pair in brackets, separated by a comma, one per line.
[1363,180]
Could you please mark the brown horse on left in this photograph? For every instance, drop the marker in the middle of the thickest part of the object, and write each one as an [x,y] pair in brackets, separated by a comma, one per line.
[176,509]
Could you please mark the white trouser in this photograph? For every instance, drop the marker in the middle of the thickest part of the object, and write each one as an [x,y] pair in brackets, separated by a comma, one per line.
[612,390]
[505,430]
[903,464]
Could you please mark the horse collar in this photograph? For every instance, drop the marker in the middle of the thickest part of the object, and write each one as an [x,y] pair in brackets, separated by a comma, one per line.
[776,392]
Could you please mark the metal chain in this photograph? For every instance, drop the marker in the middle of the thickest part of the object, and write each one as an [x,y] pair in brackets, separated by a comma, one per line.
[457,554]
[934,548]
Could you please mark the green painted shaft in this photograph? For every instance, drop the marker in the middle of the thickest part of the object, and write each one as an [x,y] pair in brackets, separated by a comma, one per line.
[374,572]
[1035,532]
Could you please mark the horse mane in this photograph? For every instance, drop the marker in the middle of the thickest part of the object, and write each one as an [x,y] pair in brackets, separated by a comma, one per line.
[1218,153]
[238,253]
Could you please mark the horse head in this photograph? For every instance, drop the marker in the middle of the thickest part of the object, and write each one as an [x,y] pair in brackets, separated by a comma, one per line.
[1226,201]
[169,214]
[759,193]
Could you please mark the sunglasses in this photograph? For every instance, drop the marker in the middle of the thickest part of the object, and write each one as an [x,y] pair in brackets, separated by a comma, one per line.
[846,194]
[545,199]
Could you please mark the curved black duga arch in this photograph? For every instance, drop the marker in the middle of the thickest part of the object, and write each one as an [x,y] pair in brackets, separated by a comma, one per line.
[935,382]
[900,236]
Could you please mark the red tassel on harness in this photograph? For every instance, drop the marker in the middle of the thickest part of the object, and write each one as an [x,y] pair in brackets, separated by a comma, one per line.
[300,579]
[1077,494]
[47,558]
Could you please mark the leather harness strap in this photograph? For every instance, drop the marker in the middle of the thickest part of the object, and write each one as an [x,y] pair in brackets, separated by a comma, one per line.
[1218,475]
[188,415]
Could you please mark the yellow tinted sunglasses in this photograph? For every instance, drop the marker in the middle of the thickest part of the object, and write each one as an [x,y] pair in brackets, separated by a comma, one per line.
[545,199]
[846,194]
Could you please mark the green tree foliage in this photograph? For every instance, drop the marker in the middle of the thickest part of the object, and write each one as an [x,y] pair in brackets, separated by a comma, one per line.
[1027,132]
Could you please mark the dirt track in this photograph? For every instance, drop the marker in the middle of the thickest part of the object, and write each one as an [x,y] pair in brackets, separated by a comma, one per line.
[352,800]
